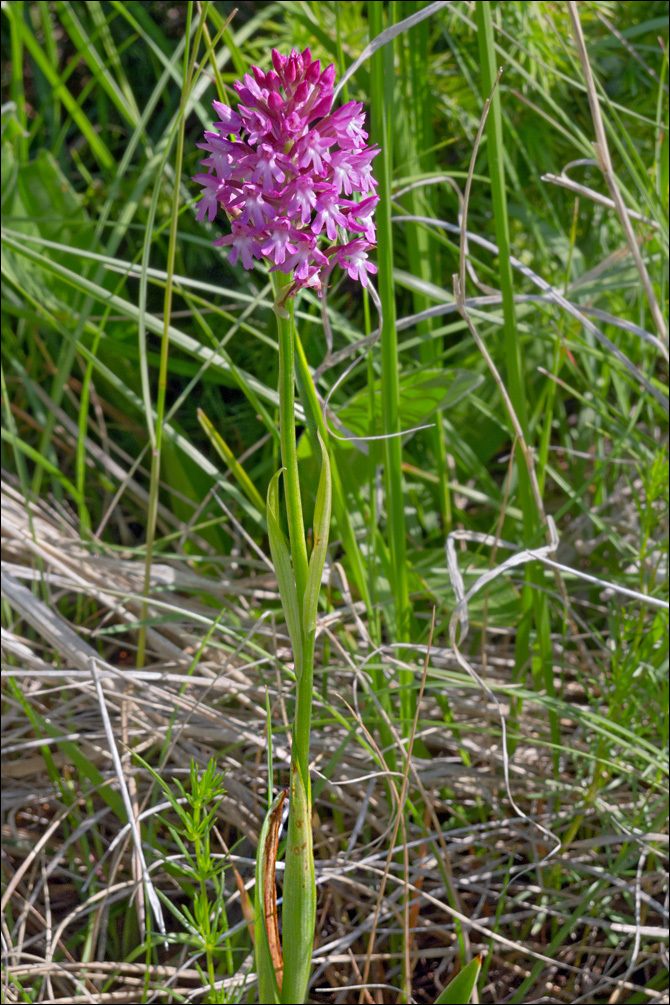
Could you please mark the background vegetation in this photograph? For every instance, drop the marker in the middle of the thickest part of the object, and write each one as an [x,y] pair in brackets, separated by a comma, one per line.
[143,639]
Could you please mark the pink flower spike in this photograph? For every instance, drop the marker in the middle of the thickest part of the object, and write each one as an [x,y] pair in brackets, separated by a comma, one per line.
[257,124]
[314,151]
[267,168]
[327,78]
[259,76]
[313,71]
[342,170]
[252,88]
[278,61]
[226,157]
[288,172]
[254,207]
[307,252]
[313,279]
[302,197]
[275,101]
[363,211]
[302,92]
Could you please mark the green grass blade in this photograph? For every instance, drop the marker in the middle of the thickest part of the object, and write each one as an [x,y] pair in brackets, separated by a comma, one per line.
[382,113]
[459,991]
[226,454]
[98,146]
[533,599]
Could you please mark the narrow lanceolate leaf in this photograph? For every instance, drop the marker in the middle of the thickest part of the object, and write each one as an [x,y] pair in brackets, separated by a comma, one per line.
[284,572]
[321,531]
[299,911]
[228,456]
[268,948]
[459,991]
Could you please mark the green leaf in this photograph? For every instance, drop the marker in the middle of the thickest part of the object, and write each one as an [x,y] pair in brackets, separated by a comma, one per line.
[284,572]
[41,461]
[266,929]
[299,911]
[421,393]
[459,991]
[321,531]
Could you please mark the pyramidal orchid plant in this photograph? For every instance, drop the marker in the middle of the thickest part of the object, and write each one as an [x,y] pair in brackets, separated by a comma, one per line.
[295,180]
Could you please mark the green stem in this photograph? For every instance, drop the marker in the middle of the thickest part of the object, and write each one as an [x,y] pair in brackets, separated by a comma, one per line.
[315,421]
[533,600]
[364,580]
[381,93]
[289,453]
[154,483]
[302,723]
[299,911]
[415,146]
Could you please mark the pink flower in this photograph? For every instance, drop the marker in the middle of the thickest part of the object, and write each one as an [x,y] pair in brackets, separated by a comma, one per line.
[306,255]
[267,169]
[230,120]
[353,257]
[330,214]
[254,207]
[209,204]
[362,211]
[244,243]
[278,166]
[278,243]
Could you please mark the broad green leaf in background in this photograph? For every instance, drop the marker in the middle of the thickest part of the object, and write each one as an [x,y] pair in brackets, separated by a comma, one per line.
[422,392]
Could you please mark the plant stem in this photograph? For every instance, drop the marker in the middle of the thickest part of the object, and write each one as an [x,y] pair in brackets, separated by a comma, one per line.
[299,911]
[533,601]
[415,150]
[289,454]
[315,421]
[381,75]
[157,439]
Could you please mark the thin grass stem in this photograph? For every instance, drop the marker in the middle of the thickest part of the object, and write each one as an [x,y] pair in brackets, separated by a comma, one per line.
[533,599]
[382,113]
